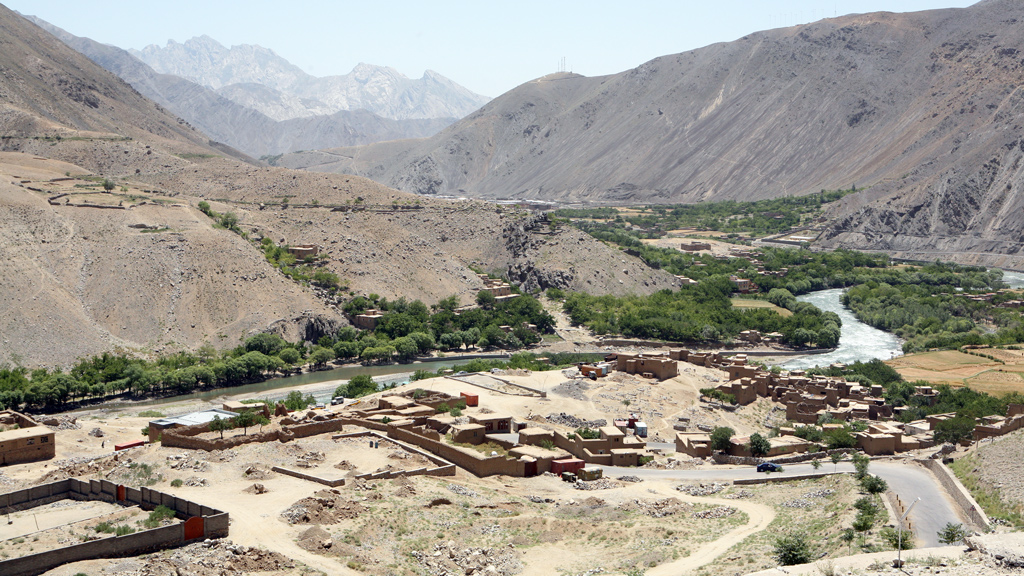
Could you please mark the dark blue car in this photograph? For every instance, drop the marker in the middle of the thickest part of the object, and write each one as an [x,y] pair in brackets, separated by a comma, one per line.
[769,467]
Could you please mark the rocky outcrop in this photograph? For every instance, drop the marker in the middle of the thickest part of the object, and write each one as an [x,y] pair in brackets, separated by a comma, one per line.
[308,327]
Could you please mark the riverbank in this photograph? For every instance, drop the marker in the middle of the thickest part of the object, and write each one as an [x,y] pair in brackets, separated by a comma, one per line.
[857,340]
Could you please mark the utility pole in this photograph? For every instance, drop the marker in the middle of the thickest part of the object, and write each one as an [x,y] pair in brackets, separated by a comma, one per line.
[899,546]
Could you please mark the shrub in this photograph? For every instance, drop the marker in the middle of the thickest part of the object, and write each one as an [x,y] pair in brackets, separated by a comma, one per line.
[793,549]
[157,516]
[588,433]
[874,485]
[443,408]
[456,412]
[893,537]
[860,465]
[863,522]
[177,482]
[866,505]
[547,444]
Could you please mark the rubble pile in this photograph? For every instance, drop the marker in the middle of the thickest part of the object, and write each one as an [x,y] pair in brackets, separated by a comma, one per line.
[822,493]
[539,500]
[572,389]
[602,484]
[187,462]
[702,489]
[571,421]
[324,507]
[62,422]
[255,472]
[461,490]
[631,479]
[80,466]
[208,558]
[450,559]
[96,433]
[196,482]
[256,489]
[310,459]
[717,512]
[657,508]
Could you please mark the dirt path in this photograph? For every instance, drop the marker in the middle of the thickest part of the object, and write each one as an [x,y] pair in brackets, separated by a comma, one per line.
[760,516]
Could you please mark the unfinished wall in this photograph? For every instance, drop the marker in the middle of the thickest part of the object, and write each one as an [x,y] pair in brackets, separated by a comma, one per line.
[186,437]
[478,465]
[215,523]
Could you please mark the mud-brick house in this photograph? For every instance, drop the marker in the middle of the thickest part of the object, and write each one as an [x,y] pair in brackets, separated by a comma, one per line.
[22,439]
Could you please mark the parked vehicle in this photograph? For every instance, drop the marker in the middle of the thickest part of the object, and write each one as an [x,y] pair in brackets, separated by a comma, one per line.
[769,467]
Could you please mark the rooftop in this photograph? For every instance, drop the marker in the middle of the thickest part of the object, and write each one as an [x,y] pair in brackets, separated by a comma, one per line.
[195,418]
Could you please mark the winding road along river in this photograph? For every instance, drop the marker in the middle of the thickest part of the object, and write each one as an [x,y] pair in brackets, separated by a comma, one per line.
[857,340]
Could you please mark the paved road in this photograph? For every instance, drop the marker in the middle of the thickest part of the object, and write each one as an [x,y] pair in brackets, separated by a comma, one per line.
[931,514]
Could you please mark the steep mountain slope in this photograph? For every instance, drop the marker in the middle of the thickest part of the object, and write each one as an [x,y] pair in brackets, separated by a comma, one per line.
[258,78]
[855,99]
[923,107]
[240,126]
[141,268]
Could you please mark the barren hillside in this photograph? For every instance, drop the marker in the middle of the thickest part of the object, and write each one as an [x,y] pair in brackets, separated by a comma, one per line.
[139,267]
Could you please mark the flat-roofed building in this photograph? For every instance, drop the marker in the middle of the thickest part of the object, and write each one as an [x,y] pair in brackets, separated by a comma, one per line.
[27,445]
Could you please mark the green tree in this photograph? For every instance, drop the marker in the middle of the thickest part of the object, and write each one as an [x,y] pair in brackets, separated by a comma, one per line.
[836,458]
[816,463]
[320,357]
[204,207]
[289,355]
[847,537]
[897,538]
[485,299]
[220,425]
[244,419]
[953,430]
[721,438]
[261,421]
[860,465]
[360,385]
[952,533]
[759,445]
[793,549]
[108,185]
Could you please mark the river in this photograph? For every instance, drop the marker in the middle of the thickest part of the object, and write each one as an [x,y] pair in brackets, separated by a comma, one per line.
[857,340]
[398,373]
[1014,279]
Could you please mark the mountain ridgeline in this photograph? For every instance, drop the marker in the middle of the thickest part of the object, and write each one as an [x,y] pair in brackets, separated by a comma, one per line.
[921,108]
[261,120]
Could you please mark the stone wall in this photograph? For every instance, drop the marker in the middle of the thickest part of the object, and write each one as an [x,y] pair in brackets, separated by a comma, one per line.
[215,523]
[968,507]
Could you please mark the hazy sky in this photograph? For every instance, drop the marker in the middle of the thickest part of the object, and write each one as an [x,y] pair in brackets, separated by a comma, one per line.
[487,46]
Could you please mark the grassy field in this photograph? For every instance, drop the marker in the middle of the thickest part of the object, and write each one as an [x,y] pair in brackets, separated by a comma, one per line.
[745,303]
[998,374]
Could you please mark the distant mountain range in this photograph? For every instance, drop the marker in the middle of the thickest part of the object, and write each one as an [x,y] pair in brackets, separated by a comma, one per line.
[925,109]
[256,77]
[236,113]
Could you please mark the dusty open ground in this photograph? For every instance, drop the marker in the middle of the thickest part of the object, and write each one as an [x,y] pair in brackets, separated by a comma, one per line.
[960,369]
